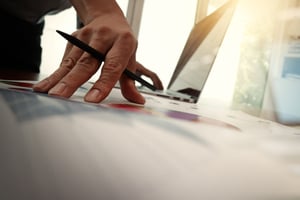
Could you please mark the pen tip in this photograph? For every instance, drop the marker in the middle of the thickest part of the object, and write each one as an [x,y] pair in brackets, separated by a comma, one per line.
[65,35]
[60,32]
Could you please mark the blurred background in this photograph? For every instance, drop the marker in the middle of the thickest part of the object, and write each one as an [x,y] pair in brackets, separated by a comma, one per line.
[250,57]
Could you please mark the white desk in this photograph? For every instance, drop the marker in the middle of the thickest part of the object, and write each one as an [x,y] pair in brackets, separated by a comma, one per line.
[59,149]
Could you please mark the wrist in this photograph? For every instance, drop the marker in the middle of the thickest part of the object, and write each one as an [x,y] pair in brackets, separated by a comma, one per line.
[90,9]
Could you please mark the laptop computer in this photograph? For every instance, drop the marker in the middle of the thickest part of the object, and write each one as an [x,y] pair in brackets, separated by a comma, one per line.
[197,57]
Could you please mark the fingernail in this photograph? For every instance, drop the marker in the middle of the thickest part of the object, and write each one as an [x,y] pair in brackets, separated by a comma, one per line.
[58,89]
[93,95]
[41,85]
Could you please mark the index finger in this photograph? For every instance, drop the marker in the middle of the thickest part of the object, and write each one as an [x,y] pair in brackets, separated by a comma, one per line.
[66,66]
[116,61]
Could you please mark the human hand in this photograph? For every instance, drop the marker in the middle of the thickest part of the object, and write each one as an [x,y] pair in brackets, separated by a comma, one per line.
[141,70]
[112,36]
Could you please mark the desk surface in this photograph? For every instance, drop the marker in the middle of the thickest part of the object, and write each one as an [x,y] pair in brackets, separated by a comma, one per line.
[53,148]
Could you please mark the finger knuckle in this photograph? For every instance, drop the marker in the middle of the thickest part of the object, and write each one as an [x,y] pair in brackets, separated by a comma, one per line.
[68,63]
[113,65]
[87,64]
[153,74]
[103,30]
[128,38]
[84,32]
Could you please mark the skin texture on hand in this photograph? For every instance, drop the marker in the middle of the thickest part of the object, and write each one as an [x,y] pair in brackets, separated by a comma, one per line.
[109,33]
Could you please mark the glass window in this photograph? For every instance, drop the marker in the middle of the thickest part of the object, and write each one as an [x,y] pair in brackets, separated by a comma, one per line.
[252,51]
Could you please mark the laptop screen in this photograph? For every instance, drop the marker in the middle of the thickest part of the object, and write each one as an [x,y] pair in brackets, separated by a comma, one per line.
[200,51]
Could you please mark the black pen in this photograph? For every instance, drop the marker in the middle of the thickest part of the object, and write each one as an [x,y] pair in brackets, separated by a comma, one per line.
[96,54]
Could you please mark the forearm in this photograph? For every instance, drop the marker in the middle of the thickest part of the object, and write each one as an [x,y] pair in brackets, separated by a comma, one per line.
[89,9]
